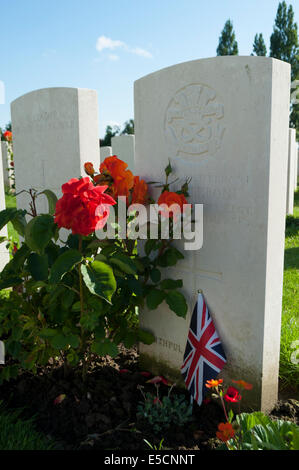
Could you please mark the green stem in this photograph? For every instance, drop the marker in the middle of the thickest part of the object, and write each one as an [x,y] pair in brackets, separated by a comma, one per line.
[84,366]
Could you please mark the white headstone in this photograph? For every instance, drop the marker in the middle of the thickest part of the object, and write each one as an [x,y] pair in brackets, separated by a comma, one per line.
[5,163]
[55,132]
[291,171]
[105,152]
[224,122]
[124,147]
[4,253]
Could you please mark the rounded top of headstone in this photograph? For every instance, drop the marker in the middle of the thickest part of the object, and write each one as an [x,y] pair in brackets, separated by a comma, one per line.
[52,91]
[229,61]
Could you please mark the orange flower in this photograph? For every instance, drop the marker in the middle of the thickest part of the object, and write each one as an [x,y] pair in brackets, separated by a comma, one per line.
[7,136]
[170,198]
[122,178]
[226,432]
[89,169]
[139,195]
[213,383]
[243,384]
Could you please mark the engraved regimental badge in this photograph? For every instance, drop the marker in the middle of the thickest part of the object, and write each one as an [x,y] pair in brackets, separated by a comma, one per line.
[194,121]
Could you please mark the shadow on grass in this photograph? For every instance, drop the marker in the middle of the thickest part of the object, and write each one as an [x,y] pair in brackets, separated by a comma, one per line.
[291,258]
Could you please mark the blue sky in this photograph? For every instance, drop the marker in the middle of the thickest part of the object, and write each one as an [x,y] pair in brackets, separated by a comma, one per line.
[106,46]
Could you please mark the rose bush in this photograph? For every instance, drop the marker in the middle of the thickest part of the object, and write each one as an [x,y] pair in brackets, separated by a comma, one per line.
[79,297]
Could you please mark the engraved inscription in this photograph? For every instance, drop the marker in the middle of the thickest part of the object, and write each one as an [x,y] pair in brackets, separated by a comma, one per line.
[194,121]
[169,344]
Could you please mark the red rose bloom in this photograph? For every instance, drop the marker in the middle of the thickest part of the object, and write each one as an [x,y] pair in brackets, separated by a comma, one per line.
[83,208]
[232,395]
[7,136]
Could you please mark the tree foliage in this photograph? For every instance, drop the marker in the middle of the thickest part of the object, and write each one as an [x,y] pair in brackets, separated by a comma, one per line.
[259,46]
[227,42]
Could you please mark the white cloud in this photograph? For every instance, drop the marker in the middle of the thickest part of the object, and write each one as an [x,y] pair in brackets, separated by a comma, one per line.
[113,57]
[107,43]
[142,52]
[103,42]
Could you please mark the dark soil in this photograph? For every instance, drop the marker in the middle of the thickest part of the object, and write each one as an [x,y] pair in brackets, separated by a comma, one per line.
[100,414]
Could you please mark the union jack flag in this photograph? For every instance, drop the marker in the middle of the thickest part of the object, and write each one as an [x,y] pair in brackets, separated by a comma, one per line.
[204,355]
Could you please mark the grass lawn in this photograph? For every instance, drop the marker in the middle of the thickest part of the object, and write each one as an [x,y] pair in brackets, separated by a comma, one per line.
[289,371]
[20,434]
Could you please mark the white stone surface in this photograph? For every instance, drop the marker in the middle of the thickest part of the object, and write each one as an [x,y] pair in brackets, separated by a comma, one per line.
[105,152]
[124,147]
[224,122]
[292,150]
[296,166]
[5,162]
[55,132]
[4,254]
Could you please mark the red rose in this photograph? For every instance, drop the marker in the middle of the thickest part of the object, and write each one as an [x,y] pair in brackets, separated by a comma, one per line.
[232,395]
[83,208]
[7,136]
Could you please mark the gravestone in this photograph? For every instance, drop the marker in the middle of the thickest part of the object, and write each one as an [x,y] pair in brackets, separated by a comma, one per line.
[4,253]
[55,132]
[124,147]
[291,171]
[5,163]
[105,152]
[224,122]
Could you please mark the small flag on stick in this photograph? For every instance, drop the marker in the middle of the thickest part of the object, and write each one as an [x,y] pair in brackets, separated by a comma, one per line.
[204,356]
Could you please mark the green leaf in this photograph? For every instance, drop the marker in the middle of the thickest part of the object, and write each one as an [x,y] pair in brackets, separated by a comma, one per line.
[7,215]
[170,257]
[154,298]
[168,169]
[52,200]
[99,279]
[63,264]
[169,284]
[76,307]
[177,303]
[59,341]
[38,266]
[10,282]
[155,275]
[124,263]
[145,336]
[150,245]
[19,222]
[104,348]
[39,232]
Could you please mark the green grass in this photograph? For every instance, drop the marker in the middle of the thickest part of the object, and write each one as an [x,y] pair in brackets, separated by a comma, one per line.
[20,434]
[10,201]
[289,372]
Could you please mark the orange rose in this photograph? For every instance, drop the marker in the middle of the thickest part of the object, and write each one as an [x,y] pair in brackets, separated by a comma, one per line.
[170,198]
[89,169]
[226,432]
[122,179]
[139,194]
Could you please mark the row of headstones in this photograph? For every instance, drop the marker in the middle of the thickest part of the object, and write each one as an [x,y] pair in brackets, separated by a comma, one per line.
[224,122]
